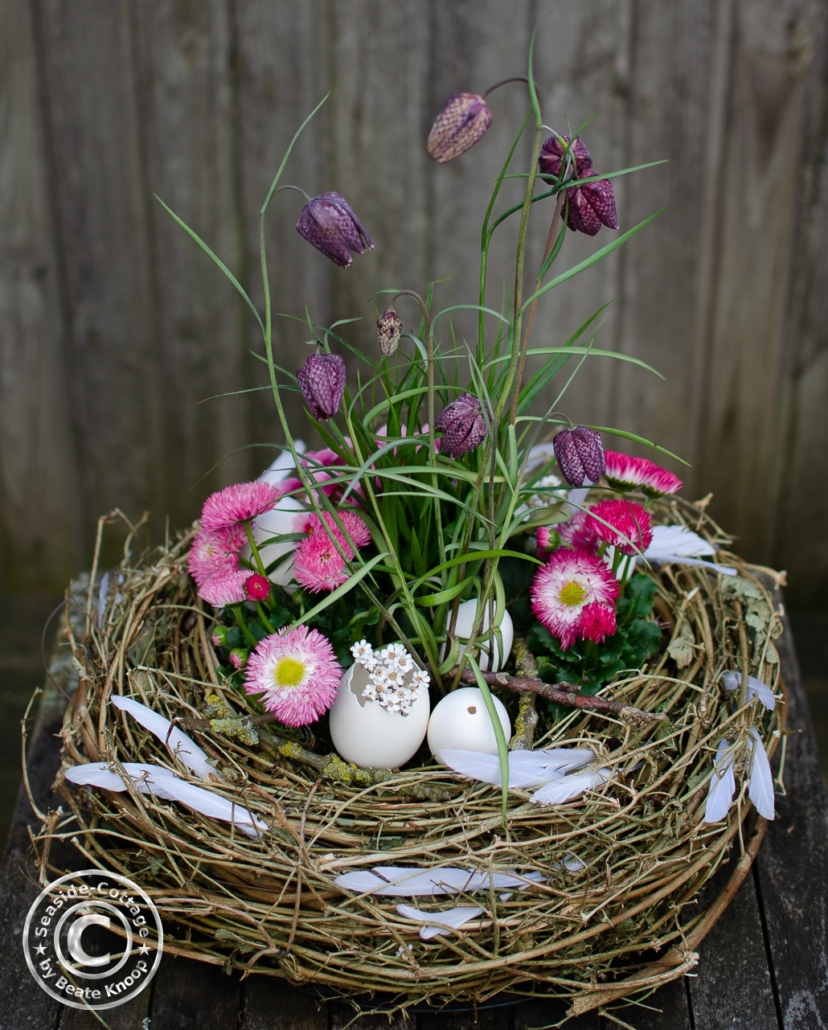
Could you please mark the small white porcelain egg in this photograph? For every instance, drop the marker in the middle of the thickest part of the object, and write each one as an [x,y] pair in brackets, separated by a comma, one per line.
[465,621]
[370,736]
[461,720]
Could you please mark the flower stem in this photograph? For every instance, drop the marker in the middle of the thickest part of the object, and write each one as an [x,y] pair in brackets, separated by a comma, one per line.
[521,256]
[237,611]
[254,550]
[264,619]
[530,316]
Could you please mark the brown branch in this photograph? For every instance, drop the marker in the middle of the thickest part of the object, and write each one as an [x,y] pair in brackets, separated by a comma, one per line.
[559,693]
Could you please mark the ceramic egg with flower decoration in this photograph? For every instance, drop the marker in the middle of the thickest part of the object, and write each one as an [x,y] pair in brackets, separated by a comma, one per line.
[380,716]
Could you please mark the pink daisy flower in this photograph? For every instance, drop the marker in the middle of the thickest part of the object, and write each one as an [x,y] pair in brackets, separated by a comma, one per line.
[598,622]
[574,596]
[238,503]
[318,565]
[215,553]
[223,590]
[578,533]
[630,528]
[257,587]
[355,527]
[298,674]
[623,472]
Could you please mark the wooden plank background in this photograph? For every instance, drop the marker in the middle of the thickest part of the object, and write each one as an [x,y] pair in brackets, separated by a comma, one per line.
[113,327]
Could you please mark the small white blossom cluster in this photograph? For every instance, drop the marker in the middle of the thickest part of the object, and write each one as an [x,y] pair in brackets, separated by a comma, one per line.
[542,500]
[394,680]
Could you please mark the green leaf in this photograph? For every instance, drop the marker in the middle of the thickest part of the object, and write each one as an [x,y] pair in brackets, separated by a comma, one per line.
[281,168]
[502,745]
[346,587]
[216,259]
[593,259]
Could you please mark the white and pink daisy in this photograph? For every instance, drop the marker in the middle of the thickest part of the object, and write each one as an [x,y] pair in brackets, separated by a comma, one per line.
[221,591]
[624,472]
[623,524]
[297,673]
[215,553]
[238,503]
[574,596]
[318,565]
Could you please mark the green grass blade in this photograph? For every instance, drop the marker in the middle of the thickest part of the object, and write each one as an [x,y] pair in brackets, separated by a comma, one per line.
[214,257]
[298,133]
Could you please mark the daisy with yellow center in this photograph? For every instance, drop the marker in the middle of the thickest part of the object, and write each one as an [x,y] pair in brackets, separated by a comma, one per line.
[296,674]
[574,596]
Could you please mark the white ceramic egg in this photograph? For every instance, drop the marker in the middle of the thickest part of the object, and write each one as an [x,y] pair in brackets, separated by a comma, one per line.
[465,621]
[280,519]
[461,720]
[370,736]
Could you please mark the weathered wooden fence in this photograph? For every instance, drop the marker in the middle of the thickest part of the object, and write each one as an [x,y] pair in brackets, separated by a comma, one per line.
[113,326]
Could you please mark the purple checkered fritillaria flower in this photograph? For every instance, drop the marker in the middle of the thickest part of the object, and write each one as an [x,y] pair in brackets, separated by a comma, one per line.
[592,204]
[329,224]
[463,425]
[322,382]
[464,119]
[551,160]
[580,455]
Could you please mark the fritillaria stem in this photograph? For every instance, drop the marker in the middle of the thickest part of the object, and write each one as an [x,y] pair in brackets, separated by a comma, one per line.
[530,316]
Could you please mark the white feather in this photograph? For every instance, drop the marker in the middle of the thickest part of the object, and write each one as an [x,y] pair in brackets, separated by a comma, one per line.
[410,882]
[679,542]
[760,784]
[755,688]
[526,768]
[559,759]
[567,787]
[454,918]
[722,785]
[176,740]
[155,779]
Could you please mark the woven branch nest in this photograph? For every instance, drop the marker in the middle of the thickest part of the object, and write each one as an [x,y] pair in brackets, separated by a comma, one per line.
[270,905]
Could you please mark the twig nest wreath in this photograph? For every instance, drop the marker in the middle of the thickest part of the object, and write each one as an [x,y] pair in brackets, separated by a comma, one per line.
[446,707]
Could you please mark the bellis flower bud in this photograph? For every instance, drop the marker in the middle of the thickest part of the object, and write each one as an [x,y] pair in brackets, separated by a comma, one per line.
[463,426]
[551,160]
[462,122]
[238,658]
[389,327]
[328,223]
[580,455]
[322,382]
[257,587]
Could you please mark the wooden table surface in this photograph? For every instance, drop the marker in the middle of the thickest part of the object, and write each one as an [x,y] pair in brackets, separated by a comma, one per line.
[764,965]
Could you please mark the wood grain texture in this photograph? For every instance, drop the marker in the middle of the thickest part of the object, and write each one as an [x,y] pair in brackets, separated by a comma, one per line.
[792,870]
[801,503]
[744,385]
[268,1004]
[733,986]
[186,85]
[40,530]
[113,326]
[281,78]
[102,200]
